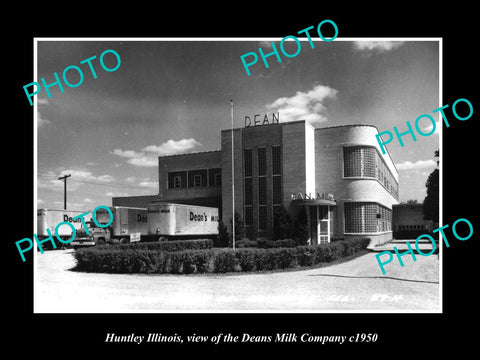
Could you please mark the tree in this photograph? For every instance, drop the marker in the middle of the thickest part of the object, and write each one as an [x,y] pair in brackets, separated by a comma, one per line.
[431,202]
[239,227]
[222,239]
[413,201]
[300,227]
[282,224]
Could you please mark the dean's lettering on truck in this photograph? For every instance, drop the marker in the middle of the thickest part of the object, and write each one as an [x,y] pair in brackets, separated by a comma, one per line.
[202,217]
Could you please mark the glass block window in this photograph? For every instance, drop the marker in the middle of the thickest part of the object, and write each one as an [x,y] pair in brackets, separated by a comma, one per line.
[365,161]
[353,218]
[352,161]
[370,217]
[367,217]
[369,164]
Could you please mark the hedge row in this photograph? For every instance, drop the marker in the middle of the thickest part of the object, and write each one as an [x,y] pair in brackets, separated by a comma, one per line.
[175,245]
[213,260]
[266,244]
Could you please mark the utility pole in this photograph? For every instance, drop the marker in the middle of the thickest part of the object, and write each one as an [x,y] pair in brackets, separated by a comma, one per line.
[64,178]
[233,184]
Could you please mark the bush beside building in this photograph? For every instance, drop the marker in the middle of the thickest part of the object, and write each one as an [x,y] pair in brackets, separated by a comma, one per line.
[190,259]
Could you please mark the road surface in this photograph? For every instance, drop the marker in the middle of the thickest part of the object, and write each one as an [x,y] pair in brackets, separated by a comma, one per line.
[352,286]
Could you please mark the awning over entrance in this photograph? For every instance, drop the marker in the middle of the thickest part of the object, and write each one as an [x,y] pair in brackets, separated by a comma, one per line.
[313,202]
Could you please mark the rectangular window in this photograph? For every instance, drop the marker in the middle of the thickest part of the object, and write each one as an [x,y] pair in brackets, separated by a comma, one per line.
[262,218]
[352,161]
[369,161]
[370,217]
[177,182]
[262,161]
[277,190]
[262,190]
[177,179]
[353,218]
[248,191]
[247,158]
[215,177]
[218,179]
[197,178]
[367,217]
[248,215]
[365,161]
[276,160]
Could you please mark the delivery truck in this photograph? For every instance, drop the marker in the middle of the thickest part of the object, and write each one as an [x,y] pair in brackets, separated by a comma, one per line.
[50,218]
[175,221]
[129,224]
[96,235]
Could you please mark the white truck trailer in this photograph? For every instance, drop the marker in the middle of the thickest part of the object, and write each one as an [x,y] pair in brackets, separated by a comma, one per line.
[50,218]
[179,220]
[128,225]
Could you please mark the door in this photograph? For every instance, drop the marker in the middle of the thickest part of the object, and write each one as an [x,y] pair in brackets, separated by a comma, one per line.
[323,224]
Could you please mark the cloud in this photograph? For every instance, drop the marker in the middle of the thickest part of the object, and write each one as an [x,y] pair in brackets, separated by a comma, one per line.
[41,101]
[127,153]
[148,157]
[144,161]
[49,179]
[379,46]
[149,184]
[304,105]
[420,164]
[173,147]
[41,122]
[427,129]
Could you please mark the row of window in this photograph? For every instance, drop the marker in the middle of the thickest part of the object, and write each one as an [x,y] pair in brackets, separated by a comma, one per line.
[262,182]
[195,178]
[367,217]
[365,161]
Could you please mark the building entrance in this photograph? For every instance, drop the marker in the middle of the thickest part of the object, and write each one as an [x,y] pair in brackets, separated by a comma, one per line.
[320,224]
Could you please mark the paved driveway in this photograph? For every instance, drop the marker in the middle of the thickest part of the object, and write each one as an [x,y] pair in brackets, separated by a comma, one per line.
[357,285]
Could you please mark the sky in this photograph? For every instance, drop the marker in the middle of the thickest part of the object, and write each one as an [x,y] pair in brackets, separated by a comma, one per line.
[171,97]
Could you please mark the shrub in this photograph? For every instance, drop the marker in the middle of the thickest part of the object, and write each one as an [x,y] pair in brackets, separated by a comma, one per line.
[300,227]
[224,261]
[246,259]
[282,223]
[124,259]
[174,245]
[221,240]
[246,243]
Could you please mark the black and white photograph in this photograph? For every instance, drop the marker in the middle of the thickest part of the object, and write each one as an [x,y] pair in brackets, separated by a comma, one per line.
[318,202]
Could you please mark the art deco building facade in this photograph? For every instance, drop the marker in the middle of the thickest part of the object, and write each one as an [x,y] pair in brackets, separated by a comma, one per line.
[337,175]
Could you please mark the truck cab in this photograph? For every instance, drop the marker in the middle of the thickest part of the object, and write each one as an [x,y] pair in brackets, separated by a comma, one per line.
[96,236]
